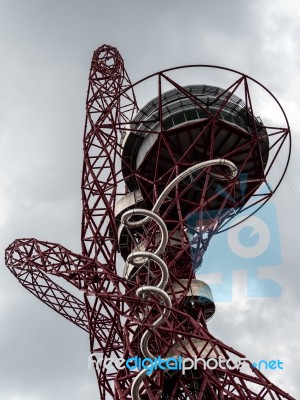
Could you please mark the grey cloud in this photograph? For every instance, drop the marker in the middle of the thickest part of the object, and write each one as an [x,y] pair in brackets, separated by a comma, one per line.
[46,49]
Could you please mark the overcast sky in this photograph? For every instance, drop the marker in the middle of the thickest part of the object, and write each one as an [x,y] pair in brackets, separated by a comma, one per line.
[45,49]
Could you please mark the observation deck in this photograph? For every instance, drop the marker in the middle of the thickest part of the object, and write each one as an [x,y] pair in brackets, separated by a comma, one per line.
[184,113]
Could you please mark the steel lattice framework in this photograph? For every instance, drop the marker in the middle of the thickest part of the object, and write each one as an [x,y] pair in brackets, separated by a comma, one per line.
[187,162]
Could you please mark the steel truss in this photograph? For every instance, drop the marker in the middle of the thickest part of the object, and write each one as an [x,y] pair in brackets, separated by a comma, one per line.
[197,207]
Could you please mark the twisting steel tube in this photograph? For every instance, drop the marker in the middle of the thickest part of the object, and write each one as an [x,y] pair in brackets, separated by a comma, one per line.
[138,258]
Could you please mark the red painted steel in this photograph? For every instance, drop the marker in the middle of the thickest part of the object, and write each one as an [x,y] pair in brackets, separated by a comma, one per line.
[111,311]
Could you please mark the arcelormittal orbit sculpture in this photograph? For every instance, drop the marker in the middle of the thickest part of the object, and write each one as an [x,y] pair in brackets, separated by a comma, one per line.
[157,184]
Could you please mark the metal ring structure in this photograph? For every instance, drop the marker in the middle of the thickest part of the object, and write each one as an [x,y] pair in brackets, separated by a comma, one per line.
[247,81]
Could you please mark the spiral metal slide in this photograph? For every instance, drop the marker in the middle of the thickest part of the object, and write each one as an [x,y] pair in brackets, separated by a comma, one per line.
[138,258]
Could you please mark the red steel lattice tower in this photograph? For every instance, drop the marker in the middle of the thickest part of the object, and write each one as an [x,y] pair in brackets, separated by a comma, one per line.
[157,184]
